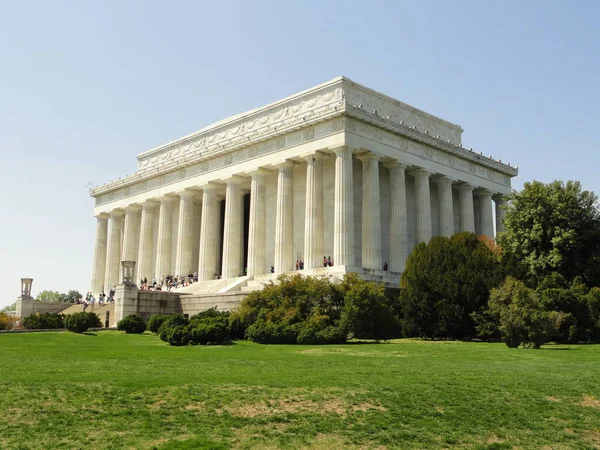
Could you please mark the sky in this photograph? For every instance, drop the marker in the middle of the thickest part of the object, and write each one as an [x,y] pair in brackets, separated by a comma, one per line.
[85,86]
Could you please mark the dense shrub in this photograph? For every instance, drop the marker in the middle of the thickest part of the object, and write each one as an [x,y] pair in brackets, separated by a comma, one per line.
[367,313]
[132,324]
[211,330]
[44,321]
[166,329]
[7,322]
[445,282]
[521,317]
[208,327]
[315,310]
[81,321]
[155,321]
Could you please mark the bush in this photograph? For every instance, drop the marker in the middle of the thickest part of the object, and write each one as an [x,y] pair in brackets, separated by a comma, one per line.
[178,335]
[212,330]
[521,317]
[155,321]
[368,313]
[132,324]
[81,321]
[44,321]
[273,333]
[166,329]
[7,322]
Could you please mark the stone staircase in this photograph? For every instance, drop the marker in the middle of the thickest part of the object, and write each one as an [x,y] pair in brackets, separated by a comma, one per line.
[215,286]
[100,311]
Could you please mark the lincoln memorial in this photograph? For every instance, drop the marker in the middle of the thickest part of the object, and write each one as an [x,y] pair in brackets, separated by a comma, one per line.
[338,171]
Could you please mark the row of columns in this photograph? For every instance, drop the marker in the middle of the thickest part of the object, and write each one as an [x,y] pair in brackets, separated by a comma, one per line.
[140,220]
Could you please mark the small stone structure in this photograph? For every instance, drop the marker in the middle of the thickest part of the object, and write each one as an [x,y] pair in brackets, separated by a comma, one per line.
[27,306]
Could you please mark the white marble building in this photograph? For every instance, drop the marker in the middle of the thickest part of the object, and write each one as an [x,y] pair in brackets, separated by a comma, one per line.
[338,170]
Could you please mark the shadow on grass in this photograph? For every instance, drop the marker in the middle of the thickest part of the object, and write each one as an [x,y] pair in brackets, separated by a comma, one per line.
[89,333]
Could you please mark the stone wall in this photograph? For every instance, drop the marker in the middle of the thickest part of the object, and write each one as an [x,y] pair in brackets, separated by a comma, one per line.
[27,307]
[223,302]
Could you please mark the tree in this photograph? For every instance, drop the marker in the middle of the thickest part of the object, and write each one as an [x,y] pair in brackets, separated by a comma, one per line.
[521,316]
[553,227]
[49,296]
[367,312]
[445,281]
[72,296]
[10,307]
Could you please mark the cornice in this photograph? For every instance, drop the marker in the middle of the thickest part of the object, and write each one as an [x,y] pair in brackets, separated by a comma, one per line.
[423,136]
[338,97]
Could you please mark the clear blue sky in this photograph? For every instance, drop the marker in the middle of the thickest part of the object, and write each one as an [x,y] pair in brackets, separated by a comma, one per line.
[86,86]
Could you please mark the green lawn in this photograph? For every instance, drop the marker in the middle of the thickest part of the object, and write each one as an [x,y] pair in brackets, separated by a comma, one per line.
[110,390]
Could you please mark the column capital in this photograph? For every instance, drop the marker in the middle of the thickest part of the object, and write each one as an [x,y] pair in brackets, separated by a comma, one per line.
[148,204]
[102,216]
[261,172]
[465,187]
[186,193]
[132,208]
[500,198]
[484,193]
[285,164]
[419,173]
[233,179]
[341,149]
[395,165]
[167,198]
[444,180]
[209,187]
[116,213]
[315,155]
[367,156]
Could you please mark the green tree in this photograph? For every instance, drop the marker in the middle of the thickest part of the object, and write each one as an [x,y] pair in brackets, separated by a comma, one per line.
[10,307]
[49,296]
[576,302]
[72,296]
[367,312]
[444,283]
[552,227]
[521,316]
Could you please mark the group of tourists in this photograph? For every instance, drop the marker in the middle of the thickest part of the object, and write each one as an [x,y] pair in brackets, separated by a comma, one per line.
[91,300]
[168,282]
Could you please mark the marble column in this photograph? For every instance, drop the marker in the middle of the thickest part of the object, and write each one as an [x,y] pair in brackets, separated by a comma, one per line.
[343,212]
[284,219]
[257,225]
[467,212]
[486,216]
[232,252]
[313,212]
[209,233]
[113,250]
[146,246]
[423,197]
[398,217]
[446,207]
[500,201]
[99,266]
[371,213]
[164,242]
[131,233]
[183,263]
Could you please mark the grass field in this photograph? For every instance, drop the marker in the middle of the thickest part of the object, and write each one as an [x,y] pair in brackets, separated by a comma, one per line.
[61,390]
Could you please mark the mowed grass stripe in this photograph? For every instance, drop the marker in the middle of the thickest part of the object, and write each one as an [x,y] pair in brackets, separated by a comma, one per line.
[110,390]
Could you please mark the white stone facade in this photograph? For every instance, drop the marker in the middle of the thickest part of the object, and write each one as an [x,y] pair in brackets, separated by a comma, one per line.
[338,170]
